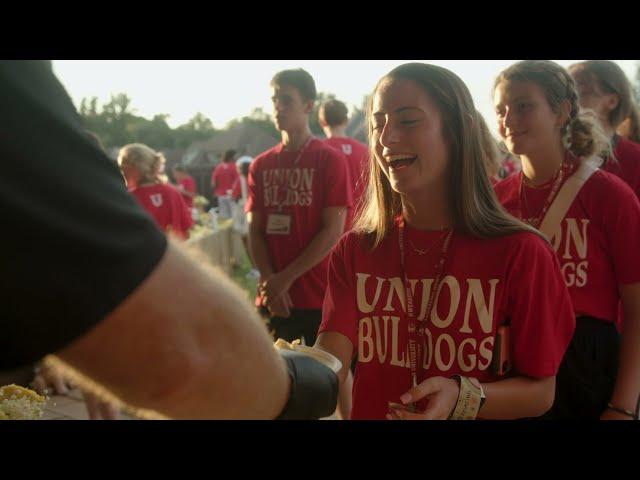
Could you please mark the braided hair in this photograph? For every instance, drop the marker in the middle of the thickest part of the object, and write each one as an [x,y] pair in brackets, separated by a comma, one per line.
[581,134]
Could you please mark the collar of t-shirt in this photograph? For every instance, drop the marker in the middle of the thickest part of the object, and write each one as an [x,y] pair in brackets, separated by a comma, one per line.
[307,146]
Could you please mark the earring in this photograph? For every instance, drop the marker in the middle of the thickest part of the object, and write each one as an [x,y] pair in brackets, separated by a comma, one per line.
[566,137]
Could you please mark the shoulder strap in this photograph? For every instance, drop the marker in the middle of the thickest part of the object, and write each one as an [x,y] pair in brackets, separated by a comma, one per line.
[567,195]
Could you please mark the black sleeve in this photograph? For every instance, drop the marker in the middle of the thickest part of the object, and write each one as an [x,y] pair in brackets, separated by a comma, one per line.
[74,243]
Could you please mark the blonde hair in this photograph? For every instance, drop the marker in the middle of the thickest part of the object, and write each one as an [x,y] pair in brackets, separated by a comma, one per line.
[490,147]
[476,210]
[146,160]
[582,134]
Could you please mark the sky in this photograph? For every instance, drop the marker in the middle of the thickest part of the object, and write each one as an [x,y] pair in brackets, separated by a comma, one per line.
[227,89]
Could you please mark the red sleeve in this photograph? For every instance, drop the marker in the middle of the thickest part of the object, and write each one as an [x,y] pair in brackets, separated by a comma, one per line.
[621,218]
[187,218]
[540,309]
[236,190]
[184,214]
[190,185]
[337,187]
[254,187]
[340,310]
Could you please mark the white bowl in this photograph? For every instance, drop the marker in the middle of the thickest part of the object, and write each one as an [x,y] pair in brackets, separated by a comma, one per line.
[323,357]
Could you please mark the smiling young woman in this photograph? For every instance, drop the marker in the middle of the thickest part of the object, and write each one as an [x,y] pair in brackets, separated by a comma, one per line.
[428,287]
[595,235]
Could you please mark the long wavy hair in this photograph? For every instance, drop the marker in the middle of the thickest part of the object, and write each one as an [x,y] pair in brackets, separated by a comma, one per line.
[476,210]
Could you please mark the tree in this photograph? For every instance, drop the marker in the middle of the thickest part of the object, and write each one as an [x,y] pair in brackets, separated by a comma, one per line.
[155,133]
[199,127]
[117,114]
[200,123]
[259,119]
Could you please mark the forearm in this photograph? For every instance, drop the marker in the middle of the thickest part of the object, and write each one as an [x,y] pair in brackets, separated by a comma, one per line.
[627,387]
[340,347]
[344,397]
[517,397]
[314,253]
[197,352]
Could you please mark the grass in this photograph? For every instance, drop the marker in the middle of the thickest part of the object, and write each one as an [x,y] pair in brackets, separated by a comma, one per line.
[239,276]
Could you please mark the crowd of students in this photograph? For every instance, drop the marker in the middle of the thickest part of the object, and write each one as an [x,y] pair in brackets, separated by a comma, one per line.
[453,276]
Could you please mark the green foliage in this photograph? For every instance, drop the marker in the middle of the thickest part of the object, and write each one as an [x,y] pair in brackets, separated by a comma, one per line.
[196,129]
[239,276]
[257,118]
[116,125]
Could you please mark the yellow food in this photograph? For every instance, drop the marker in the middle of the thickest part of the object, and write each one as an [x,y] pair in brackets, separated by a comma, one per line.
[282,344]
[19,403]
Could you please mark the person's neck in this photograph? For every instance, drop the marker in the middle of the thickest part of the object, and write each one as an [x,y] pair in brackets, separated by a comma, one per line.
[294,140]
[335,132]
[607,128]
[542,166]
[427,210]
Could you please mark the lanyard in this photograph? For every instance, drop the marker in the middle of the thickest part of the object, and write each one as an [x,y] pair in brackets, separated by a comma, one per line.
[565,171]
[415,333]
[283,183]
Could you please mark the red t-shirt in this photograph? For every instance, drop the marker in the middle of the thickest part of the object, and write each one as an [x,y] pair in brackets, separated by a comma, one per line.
[626,163]
[357,155]
[189,185]
[508,167]
[225,175]
[166,205]
[598,243]
[318,180]
[486,283]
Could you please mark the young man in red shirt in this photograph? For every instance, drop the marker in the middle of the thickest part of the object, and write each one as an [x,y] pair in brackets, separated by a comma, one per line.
[222,179]
[334,119]
[299,194]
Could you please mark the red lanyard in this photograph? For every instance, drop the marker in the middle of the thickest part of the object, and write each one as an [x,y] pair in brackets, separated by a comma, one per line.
[565,171]
[283,183]
[415,334]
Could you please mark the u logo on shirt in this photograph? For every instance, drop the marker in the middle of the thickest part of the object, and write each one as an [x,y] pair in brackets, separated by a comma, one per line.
[156,200]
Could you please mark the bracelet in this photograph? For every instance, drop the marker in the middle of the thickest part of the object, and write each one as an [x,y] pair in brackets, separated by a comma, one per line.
[457,378]
[622,411]
[469,400]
